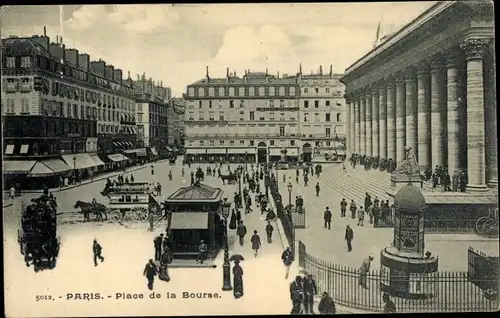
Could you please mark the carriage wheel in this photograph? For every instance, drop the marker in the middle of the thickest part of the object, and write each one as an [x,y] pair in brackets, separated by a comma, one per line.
[115,216]
[139,214]
[490,228]
[480,225]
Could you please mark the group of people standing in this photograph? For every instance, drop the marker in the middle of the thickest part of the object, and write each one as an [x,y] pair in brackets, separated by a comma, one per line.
[441,177]
[302,293]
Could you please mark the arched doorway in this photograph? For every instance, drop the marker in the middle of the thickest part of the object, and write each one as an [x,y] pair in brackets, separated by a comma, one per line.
[307,152]
[261,152]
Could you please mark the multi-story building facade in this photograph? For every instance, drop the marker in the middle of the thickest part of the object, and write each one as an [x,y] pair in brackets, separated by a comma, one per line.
[254,117]
[179,108]
[51,101]
[152,111]
[322,119]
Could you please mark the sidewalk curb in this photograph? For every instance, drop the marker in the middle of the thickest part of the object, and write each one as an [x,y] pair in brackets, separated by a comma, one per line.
[101,177]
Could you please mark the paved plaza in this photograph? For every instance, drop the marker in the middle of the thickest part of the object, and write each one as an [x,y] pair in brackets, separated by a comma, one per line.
[126,249]
[330,245]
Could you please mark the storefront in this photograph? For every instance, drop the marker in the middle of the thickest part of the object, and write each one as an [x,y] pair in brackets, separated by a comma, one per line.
[237,155]
[275,153]
[138,155]
[216,155]
[118,161]
[81,165]
[196,155]
[292,154]
[16,173]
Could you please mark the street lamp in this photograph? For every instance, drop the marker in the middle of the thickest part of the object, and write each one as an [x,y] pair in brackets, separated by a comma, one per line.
[289,186]
[226,267]
[74,169]
[239,179]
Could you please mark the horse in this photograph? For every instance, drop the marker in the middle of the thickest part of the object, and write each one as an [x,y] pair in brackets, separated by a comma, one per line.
[87,208]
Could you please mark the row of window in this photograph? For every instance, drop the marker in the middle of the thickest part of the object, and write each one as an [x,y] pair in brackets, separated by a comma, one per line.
[271,104]
[317,118]
[153,108]
[241,91]
[56,67]
[270,117]
[328,90]
[251,143]
[316,104]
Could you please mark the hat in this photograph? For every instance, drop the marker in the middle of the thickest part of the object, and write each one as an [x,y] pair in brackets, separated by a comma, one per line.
[385,296]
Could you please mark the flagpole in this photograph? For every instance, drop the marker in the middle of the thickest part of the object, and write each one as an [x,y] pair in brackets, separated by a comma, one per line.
[61,20]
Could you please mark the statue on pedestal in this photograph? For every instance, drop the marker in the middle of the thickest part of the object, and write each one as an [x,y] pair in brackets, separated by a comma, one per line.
[408,168]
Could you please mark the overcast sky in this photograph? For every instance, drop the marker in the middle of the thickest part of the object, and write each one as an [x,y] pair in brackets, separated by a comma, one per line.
[174,43]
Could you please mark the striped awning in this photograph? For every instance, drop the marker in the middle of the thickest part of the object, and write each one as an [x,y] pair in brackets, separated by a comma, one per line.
[79,161]
[57,165]
[117,157]
[17,166]
[97,160]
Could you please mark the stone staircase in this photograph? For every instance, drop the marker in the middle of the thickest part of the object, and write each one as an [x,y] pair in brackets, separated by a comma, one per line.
[355,183]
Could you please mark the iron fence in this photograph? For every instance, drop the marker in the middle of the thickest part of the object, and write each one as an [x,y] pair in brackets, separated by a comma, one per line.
[285,220]
[452,291]
[483,270]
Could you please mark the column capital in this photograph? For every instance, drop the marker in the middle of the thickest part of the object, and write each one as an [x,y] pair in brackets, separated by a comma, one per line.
[368,91]
[437,63]
[423,68]
[400,78]
[390,80]
[475,48]
[349,97]
[410,74]
[453,57]
[375,87]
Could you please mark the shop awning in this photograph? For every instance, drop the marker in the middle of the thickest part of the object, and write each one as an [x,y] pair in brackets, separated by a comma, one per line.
[168,148]
[116,144]
[17,166]
[216,151]
[130,144]
[24,149]
[83,161]
[117,157]
[57,165]
[275,151]
[236,151]
[130,151]
[292,152]
[154,152]
[189,221]
[196,151]
[9,150]
[142,152]
[97,160]
[250,151]
[41,170]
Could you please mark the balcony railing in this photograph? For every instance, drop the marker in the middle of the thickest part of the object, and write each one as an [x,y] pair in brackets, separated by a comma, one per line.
[242,135]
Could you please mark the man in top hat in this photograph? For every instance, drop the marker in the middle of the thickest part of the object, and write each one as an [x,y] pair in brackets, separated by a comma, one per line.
[310,290]
[327,217]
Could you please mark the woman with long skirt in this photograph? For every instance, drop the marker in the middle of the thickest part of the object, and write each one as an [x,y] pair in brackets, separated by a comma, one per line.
[237,280]
[163,275]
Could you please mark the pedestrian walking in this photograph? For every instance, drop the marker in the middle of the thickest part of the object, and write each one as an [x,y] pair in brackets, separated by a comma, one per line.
[317,189]
[364,270]
[343,207]
[157,244]
[288,258]
[349,236]
[12,192]
[132,178]
[237,280]
[310,290]
[255,243]
[150,271]
[97,249]
[353,209]
[389,306]
[361,216]
[241,232]
[151,220]
[296,295]
[326,305]
[170,177]
[269,232]
[370,213]
[327,217]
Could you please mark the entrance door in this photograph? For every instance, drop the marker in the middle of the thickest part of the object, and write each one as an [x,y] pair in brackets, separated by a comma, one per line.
[261,152]
[307,152]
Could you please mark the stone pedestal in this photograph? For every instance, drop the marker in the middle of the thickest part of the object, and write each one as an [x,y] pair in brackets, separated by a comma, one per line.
[407,275]
[398,180]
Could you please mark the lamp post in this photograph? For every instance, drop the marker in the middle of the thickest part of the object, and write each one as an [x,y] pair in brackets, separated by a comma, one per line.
[289,186]
[239,179]
[226,267]
[74,170]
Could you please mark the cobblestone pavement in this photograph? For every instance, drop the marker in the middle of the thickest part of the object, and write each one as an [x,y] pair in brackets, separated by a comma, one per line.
[330,244]
[126,250]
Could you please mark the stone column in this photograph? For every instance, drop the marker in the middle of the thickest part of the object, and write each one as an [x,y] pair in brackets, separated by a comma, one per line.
[438,113]
[350,124]
[474,49]
[424,117]
[375,120]
[411,111]
[362,127]
[491,116]
[400,118]
[357,135]
[452,112]
[368,121]
[391,119]
[382,119]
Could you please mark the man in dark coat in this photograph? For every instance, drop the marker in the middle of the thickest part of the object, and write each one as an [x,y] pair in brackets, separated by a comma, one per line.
[269,232]
[327,217]
[150,271]
[287,257]
[241,232]
[349,236]
[353,209]
[368,201]
[97,249]
[343,207]
[326,305]
[296,295]
[317,189]
[158,243]
[389,306]
[310,290]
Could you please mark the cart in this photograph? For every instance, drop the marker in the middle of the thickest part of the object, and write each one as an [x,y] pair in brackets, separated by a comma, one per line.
[135,200]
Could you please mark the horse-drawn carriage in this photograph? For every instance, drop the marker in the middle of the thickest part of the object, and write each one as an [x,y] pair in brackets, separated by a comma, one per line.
[231,178]
[199,175]
[37,235]
[136,199]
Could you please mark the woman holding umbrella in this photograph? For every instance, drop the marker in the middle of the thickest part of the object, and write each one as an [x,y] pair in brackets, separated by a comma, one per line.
[237,279]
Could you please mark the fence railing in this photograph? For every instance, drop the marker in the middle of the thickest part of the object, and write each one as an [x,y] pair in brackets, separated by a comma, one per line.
[452,291]
[436,225]
[280,211]
[483,270]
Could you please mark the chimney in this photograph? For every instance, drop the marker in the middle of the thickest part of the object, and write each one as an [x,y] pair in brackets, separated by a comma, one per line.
[234,74]
[128,75]
[300,68]
[150,86]
[321,70]
[44,30]
[266,71]
[331,70]
[98,67]
[207,75]
[57,51]
[118,75]
[72,56]
[57,39]
[84,61]
[245,72]
[138,80]
[278,74]
[110,72]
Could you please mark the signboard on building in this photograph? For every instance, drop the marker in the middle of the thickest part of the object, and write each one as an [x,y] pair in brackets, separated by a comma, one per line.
[91,145]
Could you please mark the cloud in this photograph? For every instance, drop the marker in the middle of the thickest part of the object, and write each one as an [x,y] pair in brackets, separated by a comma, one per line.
[86,17]
[143,18]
